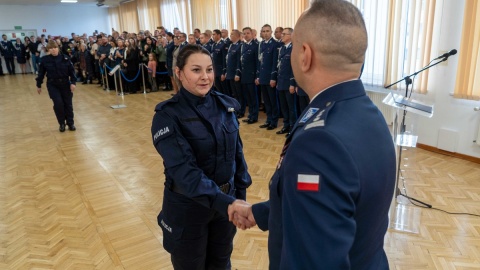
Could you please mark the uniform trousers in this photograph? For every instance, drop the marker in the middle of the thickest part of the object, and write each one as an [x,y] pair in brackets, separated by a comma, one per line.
[219,85]
[10,65]
[287,105]
[270,99]
[236,88]
[197,237]
[61,96]
[252,100]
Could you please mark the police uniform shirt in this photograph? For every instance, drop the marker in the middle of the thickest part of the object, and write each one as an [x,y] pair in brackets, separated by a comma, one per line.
[232,60]
[283,72]
[198,139]
[248,62]
[334,179]
[218,57]
[268,57]
[58,69]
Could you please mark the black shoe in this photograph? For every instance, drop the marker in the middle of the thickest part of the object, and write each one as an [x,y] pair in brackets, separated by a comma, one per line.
[245,120]
[283,130]
[84,82]
[266,125]
[70,127]
[251,121]
[288,134]
[240,115]
[271,127]
[61,128]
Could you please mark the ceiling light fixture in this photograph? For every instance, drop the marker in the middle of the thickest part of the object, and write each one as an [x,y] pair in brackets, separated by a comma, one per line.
[68,1]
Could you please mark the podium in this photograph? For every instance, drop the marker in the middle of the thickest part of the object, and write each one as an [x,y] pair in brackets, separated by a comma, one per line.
[402,216]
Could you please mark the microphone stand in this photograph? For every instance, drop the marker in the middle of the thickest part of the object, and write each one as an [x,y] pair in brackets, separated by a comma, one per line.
[408,82]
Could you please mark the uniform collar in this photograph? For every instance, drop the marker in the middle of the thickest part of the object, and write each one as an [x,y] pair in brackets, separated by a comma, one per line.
[336,92]
[191,98]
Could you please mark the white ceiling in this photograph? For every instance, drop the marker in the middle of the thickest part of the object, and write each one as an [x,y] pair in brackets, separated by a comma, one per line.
[108,3]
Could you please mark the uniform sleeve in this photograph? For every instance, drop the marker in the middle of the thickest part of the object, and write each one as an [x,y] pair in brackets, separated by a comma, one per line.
[321,225]
[276,50]
[180,165]
[238,72]
[41,72]
[261,211]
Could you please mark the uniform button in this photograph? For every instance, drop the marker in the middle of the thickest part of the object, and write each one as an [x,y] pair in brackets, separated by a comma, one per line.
[329,103]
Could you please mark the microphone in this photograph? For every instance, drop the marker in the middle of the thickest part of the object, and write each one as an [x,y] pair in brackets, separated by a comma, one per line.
[446,55]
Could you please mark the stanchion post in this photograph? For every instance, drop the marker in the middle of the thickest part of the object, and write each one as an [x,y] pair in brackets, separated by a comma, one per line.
[106,76]
[118,106]
[120,80]
[143,79]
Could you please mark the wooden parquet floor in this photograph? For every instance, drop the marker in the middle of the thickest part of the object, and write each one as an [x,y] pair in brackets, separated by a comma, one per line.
[89,199]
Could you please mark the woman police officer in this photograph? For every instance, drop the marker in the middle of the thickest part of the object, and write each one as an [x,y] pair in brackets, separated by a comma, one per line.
[60,84]
[196,132]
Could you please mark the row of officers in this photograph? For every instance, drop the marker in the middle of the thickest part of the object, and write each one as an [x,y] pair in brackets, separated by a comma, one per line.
[245,69]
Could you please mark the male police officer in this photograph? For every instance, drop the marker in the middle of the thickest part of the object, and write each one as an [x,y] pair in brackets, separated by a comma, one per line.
[286,83]
[232,61]
[267,55]
[331,192]
[246,74]
[218,56]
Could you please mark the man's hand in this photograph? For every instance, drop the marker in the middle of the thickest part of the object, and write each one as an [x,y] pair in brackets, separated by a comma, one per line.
[39,90]
[240,213]
[72,87]
[292,90]
[273,83]
[257,81]
[222,78]
[237,78]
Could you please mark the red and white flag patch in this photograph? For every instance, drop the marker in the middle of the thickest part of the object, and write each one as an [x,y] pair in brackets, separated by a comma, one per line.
[308,182]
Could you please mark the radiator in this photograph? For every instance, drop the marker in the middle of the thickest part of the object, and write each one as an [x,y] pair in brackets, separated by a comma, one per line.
[387,111]
[478,136]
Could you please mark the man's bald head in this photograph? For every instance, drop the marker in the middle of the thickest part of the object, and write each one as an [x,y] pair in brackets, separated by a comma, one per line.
[339,40]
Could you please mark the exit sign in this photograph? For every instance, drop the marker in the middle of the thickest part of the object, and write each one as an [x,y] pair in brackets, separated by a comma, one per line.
[18,27]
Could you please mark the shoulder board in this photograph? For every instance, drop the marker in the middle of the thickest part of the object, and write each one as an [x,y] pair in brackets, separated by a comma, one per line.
[160,106]
[320,120]
[230,104]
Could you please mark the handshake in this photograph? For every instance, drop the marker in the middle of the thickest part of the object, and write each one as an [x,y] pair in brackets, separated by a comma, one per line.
[241,215]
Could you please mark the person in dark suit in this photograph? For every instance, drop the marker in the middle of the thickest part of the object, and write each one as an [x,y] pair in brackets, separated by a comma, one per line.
[218,56]
[230,71]
[334,182]
[286,82]
[268,57]
[246,74]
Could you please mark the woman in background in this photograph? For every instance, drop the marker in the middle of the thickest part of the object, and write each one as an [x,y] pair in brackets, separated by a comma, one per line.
[20,54]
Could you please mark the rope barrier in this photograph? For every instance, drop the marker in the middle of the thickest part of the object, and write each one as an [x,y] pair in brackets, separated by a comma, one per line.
[159,73]
[136,76]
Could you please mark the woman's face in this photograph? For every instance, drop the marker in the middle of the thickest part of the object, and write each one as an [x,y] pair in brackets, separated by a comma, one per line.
[149,41]
[197,74]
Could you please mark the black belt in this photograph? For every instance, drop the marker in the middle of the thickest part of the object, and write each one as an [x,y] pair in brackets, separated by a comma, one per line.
[57,80]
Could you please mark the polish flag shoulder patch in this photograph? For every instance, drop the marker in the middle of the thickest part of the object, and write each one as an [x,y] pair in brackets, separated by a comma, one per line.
[308,182]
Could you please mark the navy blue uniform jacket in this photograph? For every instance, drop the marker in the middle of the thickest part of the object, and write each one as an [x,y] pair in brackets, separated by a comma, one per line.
[201,147]
[218,58]
[268,57]
[56,68]
[283,70]
[247,66]
[331,192]
[233,58]
[170,49]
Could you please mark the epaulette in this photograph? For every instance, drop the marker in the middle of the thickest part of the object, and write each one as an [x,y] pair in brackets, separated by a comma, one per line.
[229,103]
[320,118]
[162,104]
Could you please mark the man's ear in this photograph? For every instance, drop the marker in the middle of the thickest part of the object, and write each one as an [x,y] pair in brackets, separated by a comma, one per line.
[306,55]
